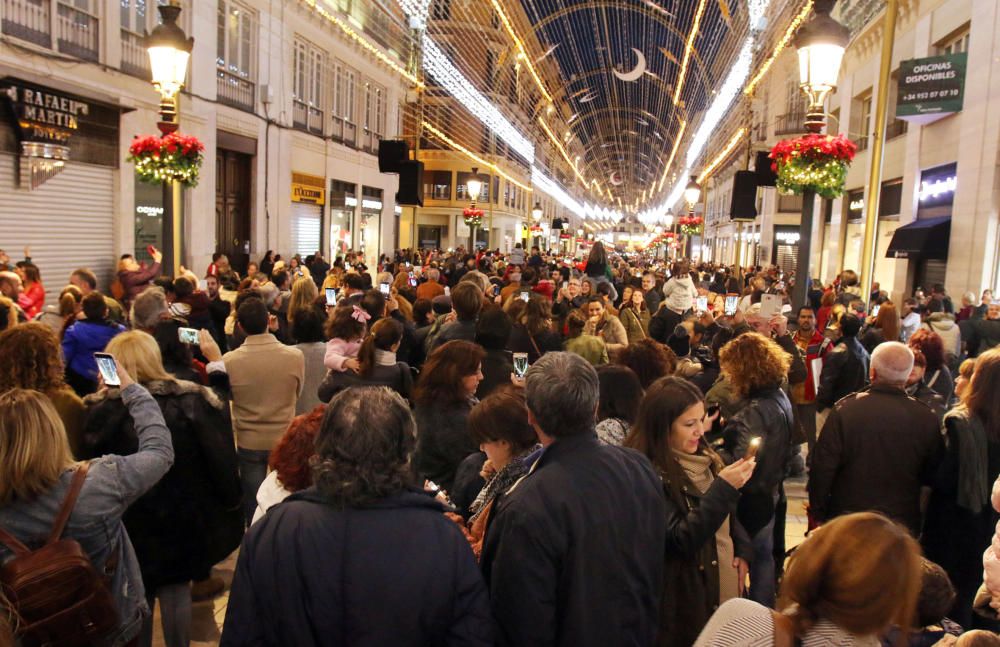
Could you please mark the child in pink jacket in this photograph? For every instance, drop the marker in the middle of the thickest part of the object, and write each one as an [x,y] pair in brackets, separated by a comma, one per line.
[346,331]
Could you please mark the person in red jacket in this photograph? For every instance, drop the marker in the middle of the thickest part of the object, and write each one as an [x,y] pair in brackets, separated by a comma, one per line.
[32,297]
[813,345]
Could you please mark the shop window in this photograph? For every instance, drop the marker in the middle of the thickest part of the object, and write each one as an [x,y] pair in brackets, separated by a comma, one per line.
[890,201]
[374,116]
[437,185]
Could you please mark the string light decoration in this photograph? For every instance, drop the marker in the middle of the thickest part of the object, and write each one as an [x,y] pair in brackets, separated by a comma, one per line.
[817,162]
[472,156]
[163,159]
[688,49]
[779,47]
[724,154]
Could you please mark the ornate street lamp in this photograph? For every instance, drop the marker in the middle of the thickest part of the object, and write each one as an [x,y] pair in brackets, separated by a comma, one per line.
[473,186]
[692,193]
[536,211]
[169,52]
[820,43]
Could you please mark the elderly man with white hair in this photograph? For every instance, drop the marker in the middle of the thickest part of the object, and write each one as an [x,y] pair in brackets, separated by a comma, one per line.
[878,448]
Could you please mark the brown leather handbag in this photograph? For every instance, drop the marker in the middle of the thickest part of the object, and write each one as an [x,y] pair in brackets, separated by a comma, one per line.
[57,598]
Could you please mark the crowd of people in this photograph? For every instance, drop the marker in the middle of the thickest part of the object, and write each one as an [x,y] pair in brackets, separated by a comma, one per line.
[482,448]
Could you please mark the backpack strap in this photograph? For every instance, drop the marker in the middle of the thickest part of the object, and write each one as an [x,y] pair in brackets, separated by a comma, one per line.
[67,507]
[12,542]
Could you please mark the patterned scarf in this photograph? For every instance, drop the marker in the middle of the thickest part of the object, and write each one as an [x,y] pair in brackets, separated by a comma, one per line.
[501,482]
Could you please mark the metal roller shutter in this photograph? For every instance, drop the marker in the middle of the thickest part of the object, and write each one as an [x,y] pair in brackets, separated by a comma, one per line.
[68,222]
[307,225]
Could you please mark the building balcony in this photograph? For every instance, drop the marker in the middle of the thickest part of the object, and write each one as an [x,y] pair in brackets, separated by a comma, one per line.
[307,117]
[862,142]
[896,128]
[135,57]
[790,124]
[35,21]
[344,131]
[235,90]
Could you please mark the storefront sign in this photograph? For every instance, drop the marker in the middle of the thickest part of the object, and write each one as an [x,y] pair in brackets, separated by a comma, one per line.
[936,190]
[308,189]
[42,115]
[932,189]
[787,237]
[855,205]
[931,88]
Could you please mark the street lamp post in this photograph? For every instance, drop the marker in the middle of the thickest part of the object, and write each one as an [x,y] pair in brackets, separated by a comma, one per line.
[692,194]
[820,43]
[473,186]
[536,216]
[668,223]
[169,51]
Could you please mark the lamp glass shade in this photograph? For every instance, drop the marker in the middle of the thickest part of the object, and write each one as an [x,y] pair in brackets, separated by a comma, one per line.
[819,65]
[668,220]
[536,212]
[474,185]
[692,194]
[169,68]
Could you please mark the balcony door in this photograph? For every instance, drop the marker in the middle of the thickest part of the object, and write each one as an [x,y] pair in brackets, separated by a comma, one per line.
[233,186]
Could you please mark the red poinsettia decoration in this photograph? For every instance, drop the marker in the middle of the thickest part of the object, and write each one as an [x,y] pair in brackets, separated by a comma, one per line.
[815,162]
[171,157]
[473,216]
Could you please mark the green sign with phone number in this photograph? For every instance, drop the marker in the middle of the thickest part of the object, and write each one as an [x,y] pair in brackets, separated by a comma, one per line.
[932,85]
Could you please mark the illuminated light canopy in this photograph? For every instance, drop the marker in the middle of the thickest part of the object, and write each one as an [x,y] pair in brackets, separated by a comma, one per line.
[552,189]
[447,76]
[780,47]
[472,156]
[734,141]
[688,49]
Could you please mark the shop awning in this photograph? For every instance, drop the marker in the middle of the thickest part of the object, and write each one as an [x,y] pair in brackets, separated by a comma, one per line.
[921,239]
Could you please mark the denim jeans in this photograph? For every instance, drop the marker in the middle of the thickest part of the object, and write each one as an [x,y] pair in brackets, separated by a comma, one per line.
[175,615]
[762,576]
[253,471]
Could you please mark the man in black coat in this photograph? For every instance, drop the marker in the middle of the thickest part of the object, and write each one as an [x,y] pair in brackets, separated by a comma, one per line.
[574,553]
[878,448]
[845,369]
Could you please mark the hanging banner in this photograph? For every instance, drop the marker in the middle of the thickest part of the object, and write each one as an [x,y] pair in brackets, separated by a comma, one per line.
[931,88]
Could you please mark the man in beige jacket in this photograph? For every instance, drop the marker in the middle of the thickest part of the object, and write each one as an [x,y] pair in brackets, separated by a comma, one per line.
[266,378]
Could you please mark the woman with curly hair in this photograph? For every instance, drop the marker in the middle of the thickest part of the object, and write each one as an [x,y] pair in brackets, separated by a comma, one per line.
[442,399]
[31,361]
[755,367]
[650,360]
[938,377]
[60,316]
[320,564]
[289,464]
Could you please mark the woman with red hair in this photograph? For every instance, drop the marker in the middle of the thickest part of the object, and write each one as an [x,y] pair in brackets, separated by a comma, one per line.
[938,376]
[289,469]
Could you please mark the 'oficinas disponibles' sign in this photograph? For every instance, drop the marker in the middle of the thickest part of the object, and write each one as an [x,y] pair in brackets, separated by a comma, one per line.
[931,88]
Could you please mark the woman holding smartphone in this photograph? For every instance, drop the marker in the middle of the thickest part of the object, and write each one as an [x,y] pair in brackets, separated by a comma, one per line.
[707,552]
[39,469]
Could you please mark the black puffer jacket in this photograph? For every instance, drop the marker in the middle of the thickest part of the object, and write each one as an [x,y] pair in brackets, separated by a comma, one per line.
[845,371]
[191,519]
[768,415]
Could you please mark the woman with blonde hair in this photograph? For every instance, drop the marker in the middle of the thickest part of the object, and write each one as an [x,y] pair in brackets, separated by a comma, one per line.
[32,361]
[192,519]
[38,470]
[960,520]
[755,367]
[304,295]
[845,585]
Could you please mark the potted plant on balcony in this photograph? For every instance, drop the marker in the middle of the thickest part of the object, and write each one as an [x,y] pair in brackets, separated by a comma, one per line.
[164,159]
[817,162]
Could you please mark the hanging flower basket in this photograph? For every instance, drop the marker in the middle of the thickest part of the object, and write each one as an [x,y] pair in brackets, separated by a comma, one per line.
[816,162]
[171,157]
[473,216]
[690,225]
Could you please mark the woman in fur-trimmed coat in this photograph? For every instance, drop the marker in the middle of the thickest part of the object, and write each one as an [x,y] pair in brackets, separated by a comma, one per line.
[192,518]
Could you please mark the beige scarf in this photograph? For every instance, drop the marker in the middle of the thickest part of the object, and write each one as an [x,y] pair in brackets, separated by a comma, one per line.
[698,469]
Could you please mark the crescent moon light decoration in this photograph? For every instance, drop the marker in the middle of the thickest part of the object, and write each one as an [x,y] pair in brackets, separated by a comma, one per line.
[615,179]
[637,71]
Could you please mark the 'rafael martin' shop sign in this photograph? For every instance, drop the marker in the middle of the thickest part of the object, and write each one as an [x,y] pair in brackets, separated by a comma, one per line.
[42,115]
[931,88]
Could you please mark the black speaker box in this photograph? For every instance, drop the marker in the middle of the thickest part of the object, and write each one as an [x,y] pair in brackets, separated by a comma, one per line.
[391,154]
[411,184]
[744,205]
[765,176]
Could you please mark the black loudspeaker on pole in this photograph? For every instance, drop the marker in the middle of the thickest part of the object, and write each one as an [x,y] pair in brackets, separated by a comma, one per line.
[392,153]
[744,203]
[411,186]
